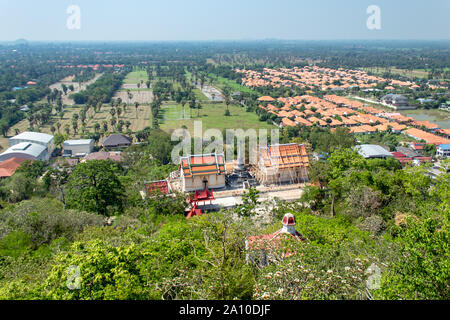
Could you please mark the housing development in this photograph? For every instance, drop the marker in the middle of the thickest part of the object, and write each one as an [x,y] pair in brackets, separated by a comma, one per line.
[224,170]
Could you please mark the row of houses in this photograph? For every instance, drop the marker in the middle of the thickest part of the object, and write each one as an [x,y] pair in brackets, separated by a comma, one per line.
[321,78]
[336,111]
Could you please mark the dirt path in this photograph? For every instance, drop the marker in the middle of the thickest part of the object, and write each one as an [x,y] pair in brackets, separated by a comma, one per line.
[77,88]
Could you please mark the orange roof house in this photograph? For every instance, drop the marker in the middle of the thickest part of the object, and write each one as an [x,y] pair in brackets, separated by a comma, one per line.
[302,121]
[266,99]
[428,137]
[285,163]
[199,172]
[287,122]
[9,167]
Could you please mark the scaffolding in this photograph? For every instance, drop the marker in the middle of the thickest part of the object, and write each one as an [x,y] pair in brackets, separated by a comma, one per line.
[286,163]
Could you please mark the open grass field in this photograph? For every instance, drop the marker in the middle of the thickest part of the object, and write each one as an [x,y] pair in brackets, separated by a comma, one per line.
[222,82]
[418,73]
[136,76]
[211,115]
[141,94]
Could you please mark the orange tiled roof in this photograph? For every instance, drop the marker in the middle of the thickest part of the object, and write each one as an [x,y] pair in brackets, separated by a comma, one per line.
[428,137]
[9,167]
[195,165]
[284,156]
[266,98]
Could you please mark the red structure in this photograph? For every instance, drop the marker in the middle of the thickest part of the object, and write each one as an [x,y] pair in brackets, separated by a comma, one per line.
[161,186]
[196,197]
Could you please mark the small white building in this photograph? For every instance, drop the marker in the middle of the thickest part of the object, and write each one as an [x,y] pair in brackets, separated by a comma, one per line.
[443,150]
[78,148]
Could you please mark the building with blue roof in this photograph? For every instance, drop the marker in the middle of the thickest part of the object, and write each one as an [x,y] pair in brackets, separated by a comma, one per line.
[443,150]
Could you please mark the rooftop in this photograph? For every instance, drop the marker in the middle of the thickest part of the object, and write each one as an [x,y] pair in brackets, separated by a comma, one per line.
[34,136]
[78,142]
[372,151]
[445,146]
[27,149]
[204,164]
[284,156]
[9,167]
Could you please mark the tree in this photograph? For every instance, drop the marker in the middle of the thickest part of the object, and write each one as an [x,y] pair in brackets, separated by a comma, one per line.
[422,270]
[59,139]
[94,186]
[109,272]
[249,203]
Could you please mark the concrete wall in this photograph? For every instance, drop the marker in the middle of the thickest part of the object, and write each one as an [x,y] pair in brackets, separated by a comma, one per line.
[196,182]
[81,148]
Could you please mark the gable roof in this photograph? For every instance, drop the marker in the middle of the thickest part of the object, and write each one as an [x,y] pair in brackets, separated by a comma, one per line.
[116,140]
[9,167]
[37,137]
[284,156]
[204,164]
[266,98]
[102,155]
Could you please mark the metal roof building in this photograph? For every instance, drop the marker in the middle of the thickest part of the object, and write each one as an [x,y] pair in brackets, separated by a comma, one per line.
[78,148]
[33,137]
[27,150]
[371,151]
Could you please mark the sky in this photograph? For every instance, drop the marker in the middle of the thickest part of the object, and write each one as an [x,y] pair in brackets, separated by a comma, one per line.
[186,20]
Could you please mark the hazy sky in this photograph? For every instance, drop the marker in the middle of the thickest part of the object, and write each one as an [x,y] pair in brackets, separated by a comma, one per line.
[223,19]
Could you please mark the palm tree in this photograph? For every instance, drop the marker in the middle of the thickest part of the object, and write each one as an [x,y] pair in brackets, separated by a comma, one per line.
[199,106]
[136,105]
[191,106]
[96,127]
[112,111]
[105,125]
[75,126]
[58,125]
[119,111]
[127,124]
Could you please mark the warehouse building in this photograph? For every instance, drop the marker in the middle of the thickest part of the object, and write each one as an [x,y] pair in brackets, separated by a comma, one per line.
[30,145]
[26,150]
[373,151]
[78,148]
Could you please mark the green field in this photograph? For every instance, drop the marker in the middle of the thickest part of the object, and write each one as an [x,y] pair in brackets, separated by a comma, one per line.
[221,82]
[136,76]
[212,116]
[418,73]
